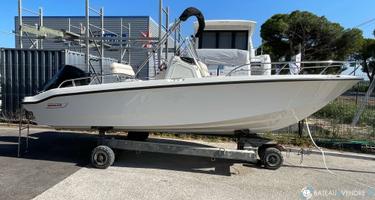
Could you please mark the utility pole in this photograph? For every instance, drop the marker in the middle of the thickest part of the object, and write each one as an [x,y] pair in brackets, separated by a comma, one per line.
[128,43]
[122,52]
[166,27]
[69,24]
[160,28]
[175,40]
[101,42]
[87,34]
[40,26]
[121,41]
[20,33]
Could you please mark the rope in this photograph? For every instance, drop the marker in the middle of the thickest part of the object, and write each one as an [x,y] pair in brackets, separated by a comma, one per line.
[325,164]
[320,149]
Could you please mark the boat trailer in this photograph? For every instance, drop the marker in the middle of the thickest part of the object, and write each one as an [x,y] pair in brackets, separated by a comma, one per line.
[251,148]
[248,150]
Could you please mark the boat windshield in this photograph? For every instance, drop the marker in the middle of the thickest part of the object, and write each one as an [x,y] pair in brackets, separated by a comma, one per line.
[66,73]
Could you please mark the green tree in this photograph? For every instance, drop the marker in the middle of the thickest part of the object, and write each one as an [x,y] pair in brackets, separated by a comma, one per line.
[316,37]
[367,56]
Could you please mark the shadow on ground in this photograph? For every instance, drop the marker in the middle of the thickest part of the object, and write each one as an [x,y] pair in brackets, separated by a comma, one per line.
[76,148]
[52,157]
[51,146]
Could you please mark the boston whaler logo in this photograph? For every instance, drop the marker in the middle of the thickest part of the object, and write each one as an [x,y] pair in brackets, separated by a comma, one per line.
[56,105]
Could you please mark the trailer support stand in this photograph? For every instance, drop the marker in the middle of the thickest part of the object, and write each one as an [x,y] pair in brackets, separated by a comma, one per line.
[23,116]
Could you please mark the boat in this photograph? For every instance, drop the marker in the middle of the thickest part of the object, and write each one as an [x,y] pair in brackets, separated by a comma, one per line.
[186,99]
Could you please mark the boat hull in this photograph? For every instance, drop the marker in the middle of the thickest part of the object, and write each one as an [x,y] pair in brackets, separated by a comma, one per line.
[218,106]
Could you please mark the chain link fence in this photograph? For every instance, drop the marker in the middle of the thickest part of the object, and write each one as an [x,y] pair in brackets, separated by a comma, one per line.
[332,125]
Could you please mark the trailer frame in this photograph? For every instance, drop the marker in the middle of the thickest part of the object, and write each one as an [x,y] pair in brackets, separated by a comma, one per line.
[103,155]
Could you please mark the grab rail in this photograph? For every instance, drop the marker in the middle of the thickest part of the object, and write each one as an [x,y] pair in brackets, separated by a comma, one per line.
[323,65]
[96,77]
[286,65]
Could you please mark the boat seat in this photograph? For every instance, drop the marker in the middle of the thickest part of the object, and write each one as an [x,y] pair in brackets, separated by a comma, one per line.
[203,69]
[183,67]
[119,68]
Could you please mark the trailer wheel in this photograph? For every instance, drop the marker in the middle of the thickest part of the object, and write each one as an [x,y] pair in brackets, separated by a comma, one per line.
[102,157]
[139,136]
[272,158]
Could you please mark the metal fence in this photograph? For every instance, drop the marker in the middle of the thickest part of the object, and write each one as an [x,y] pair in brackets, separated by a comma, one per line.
[24,71]
[332,125]
[336,118]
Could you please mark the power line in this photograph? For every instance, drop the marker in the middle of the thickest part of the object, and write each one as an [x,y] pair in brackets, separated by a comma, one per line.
[7,33]
[364,23]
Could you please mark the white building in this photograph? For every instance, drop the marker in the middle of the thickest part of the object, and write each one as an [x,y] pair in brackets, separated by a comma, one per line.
[226,44]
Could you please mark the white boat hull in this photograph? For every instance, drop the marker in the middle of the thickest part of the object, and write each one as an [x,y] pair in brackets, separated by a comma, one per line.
[217,105]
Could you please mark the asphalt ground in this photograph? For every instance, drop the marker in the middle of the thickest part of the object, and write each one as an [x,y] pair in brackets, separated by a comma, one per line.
[52,157]
[57,167]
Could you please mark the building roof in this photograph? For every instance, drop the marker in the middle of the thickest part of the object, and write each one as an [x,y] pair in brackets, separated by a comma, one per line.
[84,17]
[246,25]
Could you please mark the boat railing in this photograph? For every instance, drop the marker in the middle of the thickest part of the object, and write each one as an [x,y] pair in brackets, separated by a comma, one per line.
[97,79]
[295,67]
[256,68]
[279,68]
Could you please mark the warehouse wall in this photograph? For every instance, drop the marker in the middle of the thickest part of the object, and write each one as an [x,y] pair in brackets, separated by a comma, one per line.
[139,25]
[24,72]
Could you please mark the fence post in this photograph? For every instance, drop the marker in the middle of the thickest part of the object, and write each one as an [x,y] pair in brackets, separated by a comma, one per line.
[300,128]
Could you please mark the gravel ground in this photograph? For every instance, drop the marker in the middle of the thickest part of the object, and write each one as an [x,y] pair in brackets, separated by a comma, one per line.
[59,170]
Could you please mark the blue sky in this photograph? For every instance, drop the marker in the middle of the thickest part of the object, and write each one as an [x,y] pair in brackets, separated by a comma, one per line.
[349,13]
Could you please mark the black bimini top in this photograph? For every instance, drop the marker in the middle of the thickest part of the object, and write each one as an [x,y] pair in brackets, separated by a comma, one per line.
[65,73]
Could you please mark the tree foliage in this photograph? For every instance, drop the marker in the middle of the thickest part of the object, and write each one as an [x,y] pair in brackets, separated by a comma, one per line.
[367,56]
[317,38]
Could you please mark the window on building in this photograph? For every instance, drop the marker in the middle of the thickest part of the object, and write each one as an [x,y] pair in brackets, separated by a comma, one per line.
[224,40]
[210,40]
[240,41]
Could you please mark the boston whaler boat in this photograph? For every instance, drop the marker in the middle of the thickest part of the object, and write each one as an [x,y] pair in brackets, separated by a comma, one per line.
[187,99]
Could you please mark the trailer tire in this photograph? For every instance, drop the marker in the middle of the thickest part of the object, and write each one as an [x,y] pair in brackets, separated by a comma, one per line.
[102,157]
[272,158]
[138,136]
